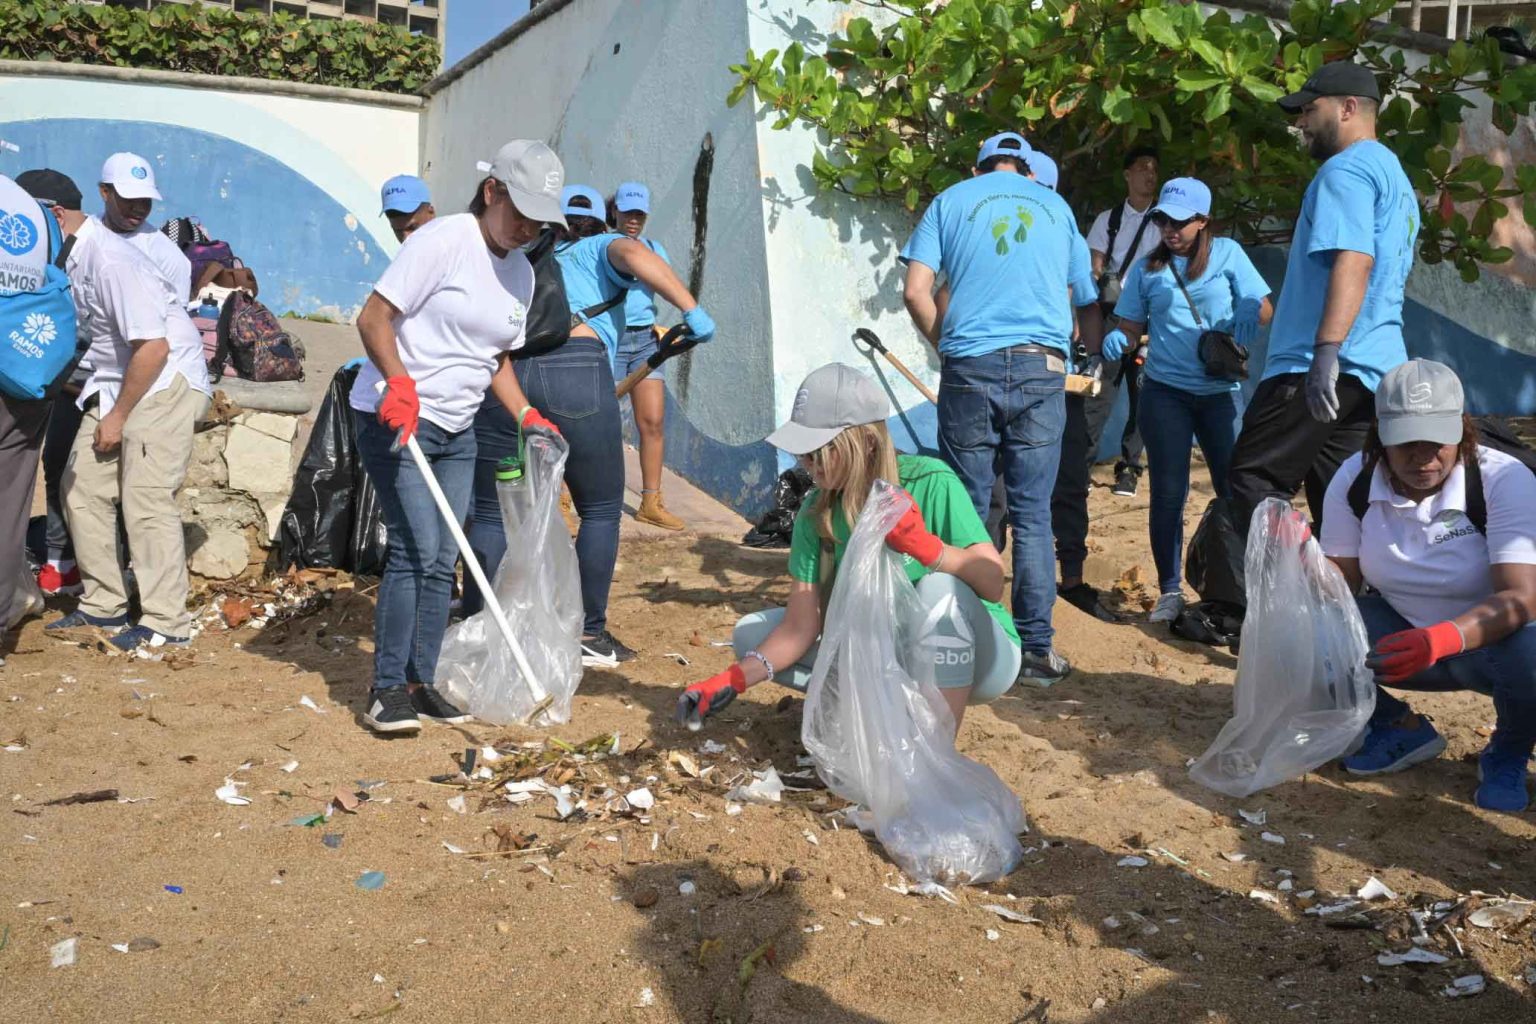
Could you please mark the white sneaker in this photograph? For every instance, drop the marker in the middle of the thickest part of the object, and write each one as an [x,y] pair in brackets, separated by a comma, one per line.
[1168,608]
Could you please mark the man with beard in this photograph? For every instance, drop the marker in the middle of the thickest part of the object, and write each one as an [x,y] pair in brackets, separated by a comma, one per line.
[1338,327]
[128,193]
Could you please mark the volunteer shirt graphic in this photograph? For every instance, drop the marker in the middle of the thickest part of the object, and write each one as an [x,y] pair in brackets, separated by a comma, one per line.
[1010,248]
[23,240]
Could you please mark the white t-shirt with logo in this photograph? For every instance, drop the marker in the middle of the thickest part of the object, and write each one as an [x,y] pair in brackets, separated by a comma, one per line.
[460,307]
[1130,221]
[120,298]
[167,257]
[1426,558]
[23,240]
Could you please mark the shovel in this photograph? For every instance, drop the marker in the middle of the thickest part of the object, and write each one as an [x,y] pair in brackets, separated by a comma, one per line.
[1077,383]
[541,696]
[671,344]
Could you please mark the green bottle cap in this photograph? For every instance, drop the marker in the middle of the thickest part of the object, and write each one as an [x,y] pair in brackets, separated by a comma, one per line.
[509,468]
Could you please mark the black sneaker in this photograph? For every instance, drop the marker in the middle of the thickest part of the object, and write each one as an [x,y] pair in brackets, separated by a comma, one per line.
[431,704]
[1085,598]
[391,711]
[604,651]
[1043,670]
[1126,477]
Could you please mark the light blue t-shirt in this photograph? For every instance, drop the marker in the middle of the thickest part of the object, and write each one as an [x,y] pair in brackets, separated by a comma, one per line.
[640,306]
[1153,298]
[1360,201]
[1010,248]
[591,280]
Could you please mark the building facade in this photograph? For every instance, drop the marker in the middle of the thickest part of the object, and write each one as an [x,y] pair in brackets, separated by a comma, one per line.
[419,17]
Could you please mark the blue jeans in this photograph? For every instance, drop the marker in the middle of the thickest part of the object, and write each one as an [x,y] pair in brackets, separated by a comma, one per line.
[412,610]
[636,345]
[1506,671]
[573,386]
[1169,417]
[1005,411]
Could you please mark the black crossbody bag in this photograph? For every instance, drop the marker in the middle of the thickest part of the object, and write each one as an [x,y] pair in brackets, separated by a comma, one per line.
[1220,353]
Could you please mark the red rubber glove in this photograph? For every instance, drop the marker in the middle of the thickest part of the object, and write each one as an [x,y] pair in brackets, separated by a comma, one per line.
[400,409]
[1401,655]
[714,693]
[534,420]
[910,536]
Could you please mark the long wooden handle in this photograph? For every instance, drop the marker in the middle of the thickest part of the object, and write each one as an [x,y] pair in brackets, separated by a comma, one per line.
[1079,384]
[629,383]
[912,377]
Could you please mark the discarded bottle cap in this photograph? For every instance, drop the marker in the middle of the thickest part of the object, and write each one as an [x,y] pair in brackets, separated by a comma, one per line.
[509,468]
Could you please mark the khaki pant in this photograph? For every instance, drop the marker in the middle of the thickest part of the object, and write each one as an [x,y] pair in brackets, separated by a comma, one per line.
[142,476]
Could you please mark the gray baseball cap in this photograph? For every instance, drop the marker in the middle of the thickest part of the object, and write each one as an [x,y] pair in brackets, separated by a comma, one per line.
[1420,400]
[829,401]
[533,176]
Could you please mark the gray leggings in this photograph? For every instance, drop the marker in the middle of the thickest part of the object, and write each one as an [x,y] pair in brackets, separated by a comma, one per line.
[969,647]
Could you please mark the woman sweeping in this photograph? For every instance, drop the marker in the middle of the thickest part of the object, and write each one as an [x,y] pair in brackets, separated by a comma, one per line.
[437,330]
[838,432]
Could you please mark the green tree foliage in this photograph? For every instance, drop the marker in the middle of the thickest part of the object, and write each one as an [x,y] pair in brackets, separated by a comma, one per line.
[902,108]
[214,41]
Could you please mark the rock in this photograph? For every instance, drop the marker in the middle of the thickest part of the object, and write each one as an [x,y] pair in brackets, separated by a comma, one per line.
[206,468]
[220,556]
[258,463]
[272,424]
[645,897]
[142,944]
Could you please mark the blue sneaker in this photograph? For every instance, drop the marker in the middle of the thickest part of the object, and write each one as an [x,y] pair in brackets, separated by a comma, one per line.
[142,636]
[78,619]
[1391,748]
[1502,775]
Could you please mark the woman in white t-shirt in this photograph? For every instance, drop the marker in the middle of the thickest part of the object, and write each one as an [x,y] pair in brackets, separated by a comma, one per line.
[437,330]
[1443,532]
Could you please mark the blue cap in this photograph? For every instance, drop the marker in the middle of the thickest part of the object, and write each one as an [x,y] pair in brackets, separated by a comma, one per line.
[1007,144]
[404,193]
[1043,168]
[1183,198]
[632,197]
[598,208]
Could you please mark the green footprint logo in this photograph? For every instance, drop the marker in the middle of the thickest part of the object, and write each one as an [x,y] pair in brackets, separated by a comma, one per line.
[999,232]
[1025,223]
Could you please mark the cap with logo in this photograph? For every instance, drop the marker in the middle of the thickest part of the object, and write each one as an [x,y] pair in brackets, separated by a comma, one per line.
[830,400]
[583,201]
[632,197]
[1007,144]
[1183,198]
[532,175]
[130,176]
[49,186]
[1420,400]
[1341,78]
[1043,168]
[404,193]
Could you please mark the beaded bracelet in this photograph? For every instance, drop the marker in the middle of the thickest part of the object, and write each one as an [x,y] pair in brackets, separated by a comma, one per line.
[760,657]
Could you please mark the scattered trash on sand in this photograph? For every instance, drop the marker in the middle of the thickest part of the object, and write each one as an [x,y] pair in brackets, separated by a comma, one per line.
[62,953]
[229,793]
[1416,955]
[1375,889]
[1010,915]
[371,880]
[1467,985]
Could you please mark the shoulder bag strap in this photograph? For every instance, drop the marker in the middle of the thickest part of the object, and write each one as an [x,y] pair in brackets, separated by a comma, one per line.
[1130,253]
[1359,493]
[1179,280]
[1115,217]
[1477,501]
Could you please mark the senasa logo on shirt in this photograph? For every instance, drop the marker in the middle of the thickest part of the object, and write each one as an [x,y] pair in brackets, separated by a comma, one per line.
[1466,529]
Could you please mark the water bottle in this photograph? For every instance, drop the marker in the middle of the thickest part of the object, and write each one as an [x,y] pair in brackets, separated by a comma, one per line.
[209,308]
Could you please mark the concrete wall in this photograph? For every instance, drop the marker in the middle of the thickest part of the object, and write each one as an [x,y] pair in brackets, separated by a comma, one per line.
[288,175]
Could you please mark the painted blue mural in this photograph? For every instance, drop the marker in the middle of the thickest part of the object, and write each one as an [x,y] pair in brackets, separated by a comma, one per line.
[306,249]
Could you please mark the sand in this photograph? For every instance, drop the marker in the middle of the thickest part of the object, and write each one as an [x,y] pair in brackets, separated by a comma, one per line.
[270,925]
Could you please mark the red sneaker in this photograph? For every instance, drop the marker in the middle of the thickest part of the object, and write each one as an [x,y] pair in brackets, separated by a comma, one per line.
[54,583]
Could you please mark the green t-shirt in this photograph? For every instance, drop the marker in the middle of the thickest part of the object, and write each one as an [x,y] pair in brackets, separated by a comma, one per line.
[946,509]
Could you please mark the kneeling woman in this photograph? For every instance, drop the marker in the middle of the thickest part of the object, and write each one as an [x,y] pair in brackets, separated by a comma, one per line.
[839,435]
[1443,531]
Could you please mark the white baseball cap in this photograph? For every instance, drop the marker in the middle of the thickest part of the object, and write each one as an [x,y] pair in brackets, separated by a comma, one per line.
[130,176]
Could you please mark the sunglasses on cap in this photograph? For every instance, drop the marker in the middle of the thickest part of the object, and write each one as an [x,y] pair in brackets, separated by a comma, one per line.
[1162,220]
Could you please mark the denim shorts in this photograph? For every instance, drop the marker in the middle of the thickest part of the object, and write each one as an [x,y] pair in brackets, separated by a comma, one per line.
[636,345]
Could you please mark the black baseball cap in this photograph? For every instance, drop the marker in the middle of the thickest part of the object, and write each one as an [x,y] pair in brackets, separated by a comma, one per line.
[1341,78]
[50,186]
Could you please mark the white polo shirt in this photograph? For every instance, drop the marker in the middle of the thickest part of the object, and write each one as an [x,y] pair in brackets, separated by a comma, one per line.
[167,257]
[1425,557]
[1130,220]
[460,307]
[120,298]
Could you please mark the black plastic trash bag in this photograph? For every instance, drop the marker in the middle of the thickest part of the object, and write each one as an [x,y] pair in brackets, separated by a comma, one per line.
[778,523]
[1213,564]
[332,520]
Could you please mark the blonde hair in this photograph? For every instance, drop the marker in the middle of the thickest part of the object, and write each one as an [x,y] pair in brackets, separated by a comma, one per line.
[863,454]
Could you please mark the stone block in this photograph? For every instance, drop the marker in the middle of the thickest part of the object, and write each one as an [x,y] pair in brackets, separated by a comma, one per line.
[258,462]
[220,555]
[272,424]
[206,467]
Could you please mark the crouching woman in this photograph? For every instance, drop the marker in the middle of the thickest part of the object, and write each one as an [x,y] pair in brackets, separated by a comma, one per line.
[838,433]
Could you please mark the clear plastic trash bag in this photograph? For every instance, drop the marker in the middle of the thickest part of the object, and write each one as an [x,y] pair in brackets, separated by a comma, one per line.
[880,732]
[539,591]
[1303,694]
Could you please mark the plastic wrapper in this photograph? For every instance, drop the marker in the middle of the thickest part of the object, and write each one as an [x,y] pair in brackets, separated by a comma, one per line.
[26,597]
[539,592]
[880,732]
[332,519]
[1303,694]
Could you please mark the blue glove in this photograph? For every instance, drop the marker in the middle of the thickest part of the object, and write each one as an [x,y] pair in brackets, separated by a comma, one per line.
[699,324]
[1115,344]
[1245,323]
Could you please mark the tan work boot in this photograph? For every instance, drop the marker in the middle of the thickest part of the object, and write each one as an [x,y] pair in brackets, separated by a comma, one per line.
[654,511]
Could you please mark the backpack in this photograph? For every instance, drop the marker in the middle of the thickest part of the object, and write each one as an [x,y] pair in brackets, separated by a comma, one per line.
[39,344]
[251,339]
[549,320]
[1492,433]
[213,261]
